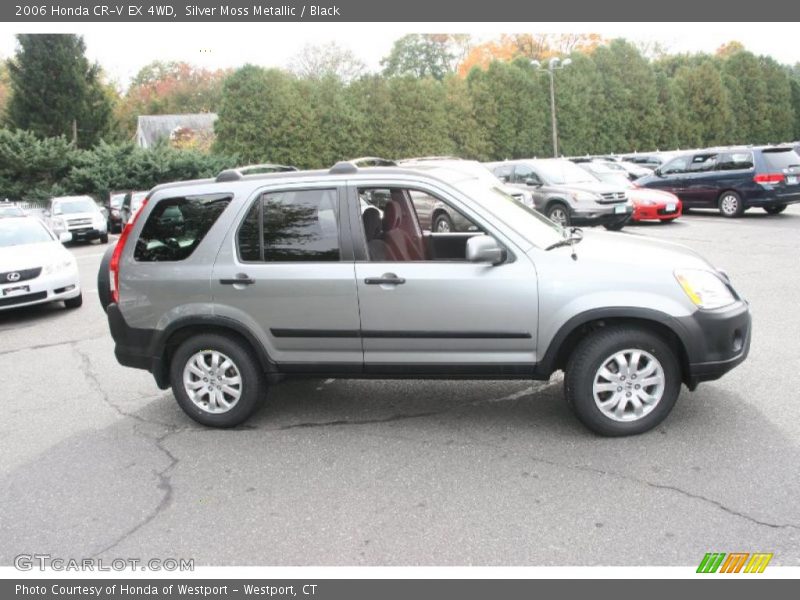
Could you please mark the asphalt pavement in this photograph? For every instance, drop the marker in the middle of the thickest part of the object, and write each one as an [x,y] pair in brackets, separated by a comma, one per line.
[98,462]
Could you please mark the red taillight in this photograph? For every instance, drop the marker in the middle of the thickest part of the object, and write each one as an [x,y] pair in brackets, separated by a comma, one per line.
[769,178]
[114,264]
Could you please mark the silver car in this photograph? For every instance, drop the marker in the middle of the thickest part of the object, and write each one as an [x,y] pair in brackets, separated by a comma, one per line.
[220,288]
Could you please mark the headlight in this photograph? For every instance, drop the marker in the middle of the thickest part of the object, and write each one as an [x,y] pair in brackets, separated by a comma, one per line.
[646,202]
[58,223]
[59,265]
[585,196]
[704,288]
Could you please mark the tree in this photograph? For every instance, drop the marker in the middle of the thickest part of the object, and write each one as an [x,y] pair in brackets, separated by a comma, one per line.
[705,104]
[421,55]
[161,88]
[56,91]
[264,116]
[327,60]
[4,88]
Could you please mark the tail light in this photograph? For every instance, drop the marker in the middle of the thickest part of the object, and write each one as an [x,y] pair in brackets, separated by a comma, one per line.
[114,264]
[769,178]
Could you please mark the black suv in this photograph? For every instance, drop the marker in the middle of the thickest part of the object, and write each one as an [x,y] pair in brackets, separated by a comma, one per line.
[732,179]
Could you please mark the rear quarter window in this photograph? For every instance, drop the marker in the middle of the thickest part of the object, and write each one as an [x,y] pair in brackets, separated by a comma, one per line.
[176,226]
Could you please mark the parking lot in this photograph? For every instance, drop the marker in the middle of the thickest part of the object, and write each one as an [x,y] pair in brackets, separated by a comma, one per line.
[97,461]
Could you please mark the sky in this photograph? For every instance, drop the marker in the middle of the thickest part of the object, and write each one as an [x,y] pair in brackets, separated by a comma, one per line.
[123,48]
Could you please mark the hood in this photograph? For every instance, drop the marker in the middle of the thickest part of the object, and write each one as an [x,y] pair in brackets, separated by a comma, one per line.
[595,187]
[643,194]
[634,250]
[80,215]
[30,256]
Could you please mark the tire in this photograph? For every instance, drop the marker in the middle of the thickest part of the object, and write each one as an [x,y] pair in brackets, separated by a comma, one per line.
[443,223]
[104,239]
[75,302]
[558,213]
[615,226]
[204,408]
[597,351]
[730,204]
[775,209]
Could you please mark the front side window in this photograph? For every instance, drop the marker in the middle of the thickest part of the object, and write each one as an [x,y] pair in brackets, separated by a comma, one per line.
[290,226]
[675,166]
[522,173]
[176,226]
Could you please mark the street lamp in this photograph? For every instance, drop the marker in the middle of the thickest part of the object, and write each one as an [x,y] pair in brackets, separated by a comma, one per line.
[552,65]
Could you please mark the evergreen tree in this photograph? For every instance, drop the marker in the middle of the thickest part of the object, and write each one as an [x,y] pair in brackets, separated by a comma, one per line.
[56,91]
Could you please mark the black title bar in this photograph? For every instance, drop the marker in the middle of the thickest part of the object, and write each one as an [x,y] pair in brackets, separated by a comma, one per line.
[451,11]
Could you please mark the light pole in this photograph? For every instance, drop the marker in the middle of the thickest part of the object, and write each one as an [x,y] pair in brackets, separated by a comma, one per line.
[552,65]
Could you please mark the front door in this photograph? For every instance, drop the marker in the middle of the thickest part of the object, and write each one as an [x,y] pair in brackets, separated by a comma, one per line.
[425,308]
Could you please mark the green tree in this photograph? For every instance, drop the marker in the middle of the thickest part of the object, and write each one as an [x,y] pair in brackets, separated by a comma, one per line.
[704,102]
[749,98]
[421,55]
[264,116]
[55,89]
[32,168]
[4,88]
[794,83]
[780,109]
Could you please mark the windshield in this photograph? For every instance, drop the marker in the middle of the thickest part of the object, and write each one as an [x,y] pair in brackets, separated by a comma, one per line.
[525,221]
[563,172]
[70,207]
[608,175]
[18,232]
[116,200]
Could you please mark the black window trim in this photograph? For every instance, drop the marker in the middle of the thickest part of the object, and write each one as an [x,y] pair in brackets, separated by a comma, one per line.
[345,243]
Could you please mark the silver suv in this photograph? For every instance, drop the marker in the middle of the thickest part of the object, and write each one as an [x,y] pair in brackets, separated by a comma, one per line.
[221,287]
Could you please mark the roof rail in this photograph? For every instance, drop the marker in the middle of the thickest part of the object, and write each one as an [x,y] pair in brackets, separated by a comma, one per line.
[238,173]
[351,166]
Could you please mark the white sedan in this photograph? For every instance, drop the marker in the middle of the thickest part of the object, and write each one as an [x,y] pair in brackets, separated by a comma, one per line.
[34,265]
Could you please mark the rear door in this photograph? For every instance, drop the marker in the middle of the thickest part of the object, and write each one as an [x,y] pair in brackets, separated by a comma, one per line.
[286,271]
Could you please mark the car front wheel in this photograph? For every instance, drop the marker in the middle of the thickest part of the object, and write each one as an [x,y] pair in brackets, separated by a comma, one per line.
[559,214]
[216,381]
[622,381]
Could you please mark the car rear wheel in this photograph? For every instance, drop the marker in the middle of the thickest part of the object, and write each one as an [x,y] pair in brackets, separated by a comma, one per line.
[104,239]
[215,380]
[730,204]
[559,214]
[622,381]
[442,223]
[775,209]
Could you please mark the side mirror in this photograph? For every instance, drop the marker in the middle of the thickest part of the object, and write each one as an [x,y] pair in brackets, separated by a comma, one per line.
[533,182]
[65,237]
[658,172]
[484,248]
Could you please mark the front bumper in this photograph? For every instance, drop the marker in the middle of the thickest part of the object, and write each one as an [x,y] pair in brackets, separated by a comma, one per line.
[656,212]
[43,289]
[601,214]
[716,341]
[87,234]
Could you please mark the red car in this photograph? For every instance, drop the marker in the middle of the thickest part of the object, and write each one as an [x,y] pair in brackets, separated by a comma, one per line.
[648,204]
[654,204]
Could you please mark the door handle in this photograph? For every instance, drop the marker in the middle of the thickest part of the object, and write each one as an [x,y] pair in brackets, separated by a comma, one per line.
[240,279]
[385,279]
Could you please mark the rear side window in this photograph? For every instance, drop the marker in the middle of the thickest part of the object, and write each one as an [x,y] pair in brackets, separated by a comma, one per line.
[734,161]
[176,226]
[290,226]
[778,160]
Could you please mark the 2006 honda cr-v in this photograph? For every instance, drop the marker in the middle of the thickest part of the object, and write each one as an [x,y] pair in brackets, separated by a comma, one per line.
[221,287]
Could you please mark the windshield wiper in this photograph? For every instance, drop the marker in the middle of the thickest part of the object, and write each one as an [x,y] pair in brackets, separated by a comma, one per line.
[575,236]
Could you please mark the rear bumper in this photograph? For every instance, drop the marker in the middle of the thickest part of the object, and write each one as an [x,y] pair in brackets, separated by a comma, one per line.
[132,346]
[716,341]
